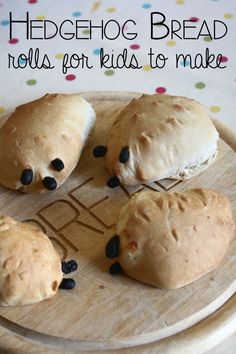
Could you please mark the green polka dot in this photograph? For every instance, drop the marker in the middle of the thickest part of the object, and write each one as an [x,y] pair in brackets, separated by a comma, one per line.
[41,17]
[111,9]
[200,85]
[109,72]
[31,82]
[59,56]
[228,16]
[87,31]
[171,43]
[207,39]
[215,109]
[2,109]
[147,67]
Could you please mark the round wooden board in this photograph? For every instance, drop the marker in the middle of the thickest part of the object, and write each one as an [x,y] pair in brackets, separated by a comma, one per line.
[106,312]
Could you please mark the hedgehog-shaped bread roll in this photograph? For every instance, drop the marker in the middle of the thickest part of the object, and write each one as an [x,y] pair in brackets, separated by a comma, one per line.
[170,239]
[30,268]
[41,142]
[156,137]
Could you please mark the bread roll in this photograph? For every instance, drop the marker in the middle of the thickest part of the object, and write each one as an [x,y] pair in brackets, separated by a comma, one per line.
[41,142]
[170,239]
[160,136]
[30,267]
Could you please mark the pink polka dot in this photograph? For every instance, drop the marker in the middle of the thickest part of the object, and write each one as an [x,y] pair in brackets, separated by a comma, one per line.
[70,77]
[224,59]
[13,41]
[32,1]
[135,46]
[160,90]
[194,19]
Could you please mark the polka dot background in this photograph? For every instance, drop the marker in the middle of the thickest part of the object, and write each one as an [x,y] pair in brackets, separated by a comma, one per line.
[215,88]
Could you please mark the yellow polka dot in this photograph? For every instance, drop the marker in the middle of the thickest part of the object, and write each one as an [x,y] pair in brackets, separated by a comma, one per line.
[2,110]
[228,16]
[59,55]
[111,9]
[215,109]
[171,43]
[180,2]
[41,17]
[147,67]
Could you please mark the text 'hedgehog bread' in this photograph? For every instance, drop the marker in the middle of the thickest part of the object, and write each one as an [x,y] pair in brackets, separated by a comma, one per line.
[30,267]
[170,239]
[41,142]
[160,136]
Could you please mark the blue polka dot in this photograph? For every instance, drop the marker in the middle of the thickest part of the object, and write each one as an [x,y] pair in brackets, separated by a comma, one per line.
[147,6]
[77,14]
[96,51]
[186,63]
[5,22]
[21,61]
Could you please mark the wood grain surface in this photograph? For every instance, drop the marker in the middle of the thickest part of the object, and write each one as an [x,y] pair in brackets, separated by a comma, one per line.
[106,312]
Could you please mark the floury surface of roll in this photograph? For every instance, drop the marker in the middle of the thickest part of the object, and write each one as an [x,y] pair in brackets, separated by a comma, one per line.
[170,239]
[160,136]
[41,142]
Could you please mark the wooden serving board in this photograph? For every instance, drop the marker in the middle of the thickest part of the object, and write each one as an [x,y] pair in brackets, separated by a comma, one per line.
[111,312]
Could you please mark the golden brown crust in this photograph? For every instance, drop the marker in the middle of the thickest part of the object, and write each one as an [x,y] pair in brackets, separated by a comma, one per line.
[178,236]
[54,126]
[167,136]
[30,267]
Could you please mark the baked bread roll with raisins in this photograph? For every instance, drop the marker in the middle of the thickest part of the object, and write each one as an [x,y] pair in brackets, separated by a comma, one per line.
[41,142]
[160,136]
[30,267]
[170,239]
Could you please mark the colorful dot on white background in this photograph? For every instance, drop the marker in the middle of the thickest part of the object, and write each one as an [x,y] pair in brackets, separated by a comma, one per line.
[160,89]
[96,51]
[77,14]
[109,72]
[59,55]
[215,109]
[111,9]
[171,43]
[228,16]
[5,22]
[147,6]
[13,41]
[134,46]
[2,110]
[70,77]
[31,82]
[146,67]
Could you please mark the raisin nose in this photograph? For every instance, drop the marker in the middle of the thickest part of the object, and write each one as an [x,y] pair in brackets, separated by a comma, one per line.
[115,268]
[58,164]
[50,183]
[124,154]
[113,182]
[67,283]
[69,267]
[112,247]
[26,177]
[99,151]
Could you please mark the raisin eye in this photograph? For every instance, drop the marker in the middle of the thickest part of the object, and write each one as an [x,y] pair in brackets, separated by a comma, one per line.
[58,164]
[124,154]
[26,177]
[113,182]
[50,183]
[99,151]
